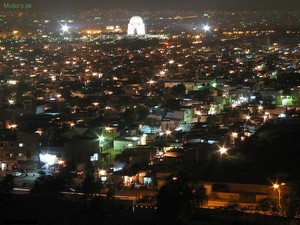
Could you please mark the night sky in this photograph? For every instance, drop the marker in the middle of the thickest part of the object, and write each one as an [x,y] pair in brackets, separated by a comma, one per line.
[163,4]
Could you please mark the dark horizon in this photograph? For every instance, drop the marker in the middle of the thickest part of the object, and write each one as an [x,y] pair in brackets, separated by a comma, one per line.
[70,5]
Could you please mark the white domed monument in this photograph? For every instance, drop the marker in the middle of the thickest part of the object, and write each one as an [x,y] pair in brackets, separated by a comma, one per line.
[136,27]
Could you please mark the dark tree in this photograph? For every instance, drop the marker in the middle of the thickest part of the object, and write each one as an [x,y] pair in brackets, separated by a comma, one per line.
[291,202]
[7,184]
[179,90]
[177,199]
[152,123]
[49,186]
[135,115]
[171,103]
[89,186]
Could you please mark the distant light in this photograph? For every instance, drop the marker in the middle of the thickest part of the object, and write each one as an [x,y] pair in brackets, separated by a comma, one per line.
[234,134]
[101,138]
[38,132]
[65,28]
[102,172]
[206,28]
[151,82]
[135,138]
[94,157]
[223,150]
[60,162]
[11,102]
[47,158]
[282,115]
[13,126]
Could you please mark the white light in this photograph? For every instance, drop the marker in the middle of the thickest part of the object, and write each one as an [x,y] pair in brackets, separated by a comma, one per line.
[223,150]
[206,28]
[281,115]
[102,172]
[94,157]
[151,82]
[65,28]
[101,138]
[47,158]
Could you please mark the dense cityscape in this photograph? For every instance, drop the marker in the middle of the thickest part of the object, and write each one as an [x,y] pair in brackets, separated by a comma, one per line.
[117,116]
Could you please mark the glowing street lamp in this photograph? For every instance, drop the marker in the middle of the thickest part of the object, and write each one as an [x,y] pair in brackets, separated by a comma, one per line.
[223,150]
[39,132]
[101,139]
[281,115]
[234,134]
[60,162]
[206,28]
[11,102]
[151,82]
[233,137]
[162,73]
[13,126]
[276,186]
[65,28]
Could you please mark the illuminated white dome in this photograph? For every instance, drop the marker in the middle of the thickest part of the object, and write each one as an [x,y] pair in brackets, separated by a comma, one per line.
[136,20]
[136,26]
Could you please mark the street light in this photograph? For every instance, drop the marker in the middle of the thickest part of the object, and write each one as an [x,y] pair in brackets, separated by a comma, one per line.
[199,114]
[168,132]
[151,82]
[223,150]
[276,186]
[206,28]
[65,28]
[13,126]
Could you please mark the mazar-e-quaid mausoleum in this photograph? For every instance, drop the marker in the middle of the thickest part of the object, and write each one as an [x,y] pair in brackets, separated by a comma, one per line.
[136,27]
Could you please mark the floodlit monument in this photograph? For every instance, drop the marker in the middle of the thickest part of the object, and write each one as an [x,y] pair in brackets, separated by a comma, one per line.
[136,27]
